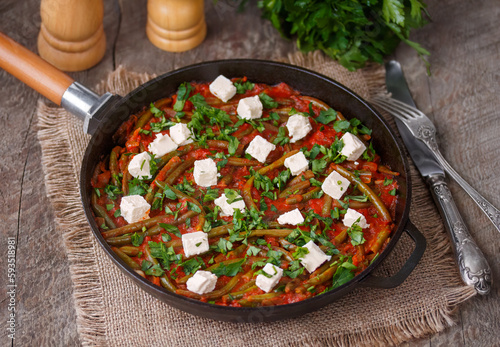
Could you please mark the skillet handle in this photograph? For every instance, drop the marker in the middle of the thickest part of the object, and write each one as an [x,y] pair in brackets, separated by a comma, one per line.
[407,268]
[33,70]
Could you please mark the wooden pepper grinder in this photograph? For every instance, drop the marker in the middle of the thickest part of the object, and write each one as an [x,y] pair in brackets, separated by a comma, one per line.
[176,25]
[71,34]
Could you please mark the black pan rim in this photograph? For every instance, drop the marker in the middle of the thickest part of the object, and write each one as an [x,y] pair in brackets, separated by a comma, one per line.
[184,301]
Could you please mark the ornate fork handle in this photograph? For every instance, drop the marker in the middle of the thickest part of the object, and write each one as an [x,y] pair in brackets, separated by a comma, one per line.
[427,135]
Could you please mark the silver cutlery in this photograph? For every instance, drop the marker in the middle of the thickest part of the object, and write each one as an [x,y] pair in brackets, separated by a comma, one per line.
[418,133]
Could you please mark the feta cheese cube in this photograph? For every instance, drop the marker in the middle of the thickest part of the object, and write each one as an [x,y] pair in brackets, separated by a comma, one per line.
[202,282]
[139,165]
[162,145]
[250,108]
[260,148]
[297,163]
[195,243]
[267,283]
[335,185]
[228,209]
[205,172]
[352,216]
[181,134]
[134,208]
[293,217]
[222,88]
[298,127]
[353,147]
[312,260]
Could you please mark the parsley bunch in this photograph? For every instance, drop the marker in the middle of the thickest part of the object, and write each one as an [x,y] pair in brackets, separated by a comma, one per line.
[350,31]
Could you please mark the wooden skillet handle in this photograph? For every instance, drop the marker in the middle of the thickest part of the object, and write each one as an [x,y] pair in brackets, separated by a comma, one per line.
[33,70]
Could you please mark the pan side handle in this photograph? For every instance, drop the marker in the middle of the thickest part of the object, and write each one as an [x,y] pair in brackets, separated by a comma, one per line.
[407,268]
[33,70]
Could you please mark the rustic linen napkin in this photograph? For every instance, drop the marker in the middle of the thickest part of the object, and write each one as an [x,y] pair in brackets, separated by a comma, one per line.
[113,311]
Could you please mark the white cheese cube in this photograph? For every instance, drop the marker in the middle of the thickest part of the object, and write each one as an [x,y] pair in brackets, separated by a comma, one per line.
[335,185]
[195,243]
[250,108]
[162,145]
[139,165]
[312,260]
[202,282]
[352,216]
[222,88]
[353,147]
[260,148]
[228,209]
[134,208]
[293,217]
[297,163]
[205,172]
[298,127]
[267,283]
[181,134]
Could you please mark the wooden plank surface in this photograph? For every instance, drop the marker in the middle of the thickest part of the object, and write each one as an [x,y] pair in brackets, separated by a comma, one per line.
[461,96]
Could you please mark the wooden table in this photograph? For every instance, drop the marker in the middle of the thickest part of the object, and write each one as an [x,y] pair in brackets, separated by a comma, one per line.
[461,97]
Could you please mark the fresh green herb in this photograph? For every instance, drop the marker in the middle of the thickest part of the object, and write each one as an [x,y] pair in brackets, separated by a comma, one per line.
[392,192]
[327,116]
[182,95]
[192,265]
[145,132]
[341,125]
[232,196]
[300,252]
[193,207]
[117,213]
[387,181]
[112,191]
[233,145]
[253,251]
[109,207]
[137,239]
[224,246]
[319,165]
[282,138]
[154,270]
[171,229]
[211,195]
[352,32]
[369,153]
[228,270]
[241,88]
[137,187]
[356,234]
[166,237]
[165,255]
[267,101]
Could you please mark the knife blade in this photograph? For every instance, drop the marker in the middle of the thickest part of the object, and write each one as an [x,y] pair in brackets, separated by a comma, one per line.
[473,266]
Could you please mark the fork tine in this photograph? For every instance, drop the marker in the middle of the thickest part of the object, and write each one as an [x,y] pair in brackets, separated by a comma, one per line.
[389,107]
[409,109]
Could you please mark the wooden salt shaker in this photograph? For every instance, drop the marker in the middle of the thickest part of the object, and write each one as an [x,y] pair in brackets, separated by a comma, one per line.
[71,34]
[176,25]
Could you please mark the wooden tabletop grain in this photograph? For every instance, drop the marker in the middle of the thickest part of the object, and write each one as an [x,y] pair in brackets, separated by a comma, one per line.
[462,96]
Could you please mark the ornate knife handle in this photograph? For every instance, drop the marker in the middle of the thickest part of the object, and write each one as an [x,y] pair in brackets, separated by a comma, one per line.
[472,264]
[428,136]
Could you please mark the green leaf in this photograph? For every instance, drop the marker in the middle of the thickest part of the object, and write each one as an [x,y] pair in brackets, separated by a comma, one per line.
[253,251]
[109,207]
[192,265]
[241,88]
[155,270]
[233,145]
[117,213]
[171,229]
[267,101]
[327,116]
[182,95]
[356,234]
[393,11]
[211,195]
[193,207]
[230,270]
[341,125]
[300,252]
[232,196]
[137,239]
[282,137]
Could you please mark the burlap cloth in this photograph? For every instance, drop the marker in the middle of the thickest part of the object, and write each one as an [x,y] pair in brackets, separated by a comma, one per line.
[112,311]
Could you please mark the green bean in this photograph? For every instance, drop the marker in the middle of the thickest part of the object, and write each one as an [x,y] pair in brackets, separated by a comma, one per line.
[148,223]
[130,250]
[147,115]
[113,166]
[214,294]
[162,174]
[278,163]
[327,205]
[246,194]
[289,190]
[380,239]
[164,280]
[179,170]
[269,232]
[233,161]
[127,239]
[255,300]
[178,153]
[301,177]
[290,286]
[210,268]
[126,258]
[379,205]
[101,212]
[241,292]
[220,230]
[302,198]
[340,238]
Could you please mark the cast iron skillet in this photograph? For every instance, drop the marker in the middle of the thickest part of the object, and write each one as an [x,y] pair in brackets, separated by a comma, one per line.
[108,112]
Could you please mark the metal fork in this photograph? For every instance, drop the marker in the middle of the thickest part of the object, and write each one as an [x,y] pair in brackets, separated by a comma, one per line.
[423,129]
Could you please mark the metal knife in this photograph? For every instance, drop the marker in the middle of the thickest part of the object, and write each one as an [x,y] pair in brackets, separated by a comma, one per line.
[472,264]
